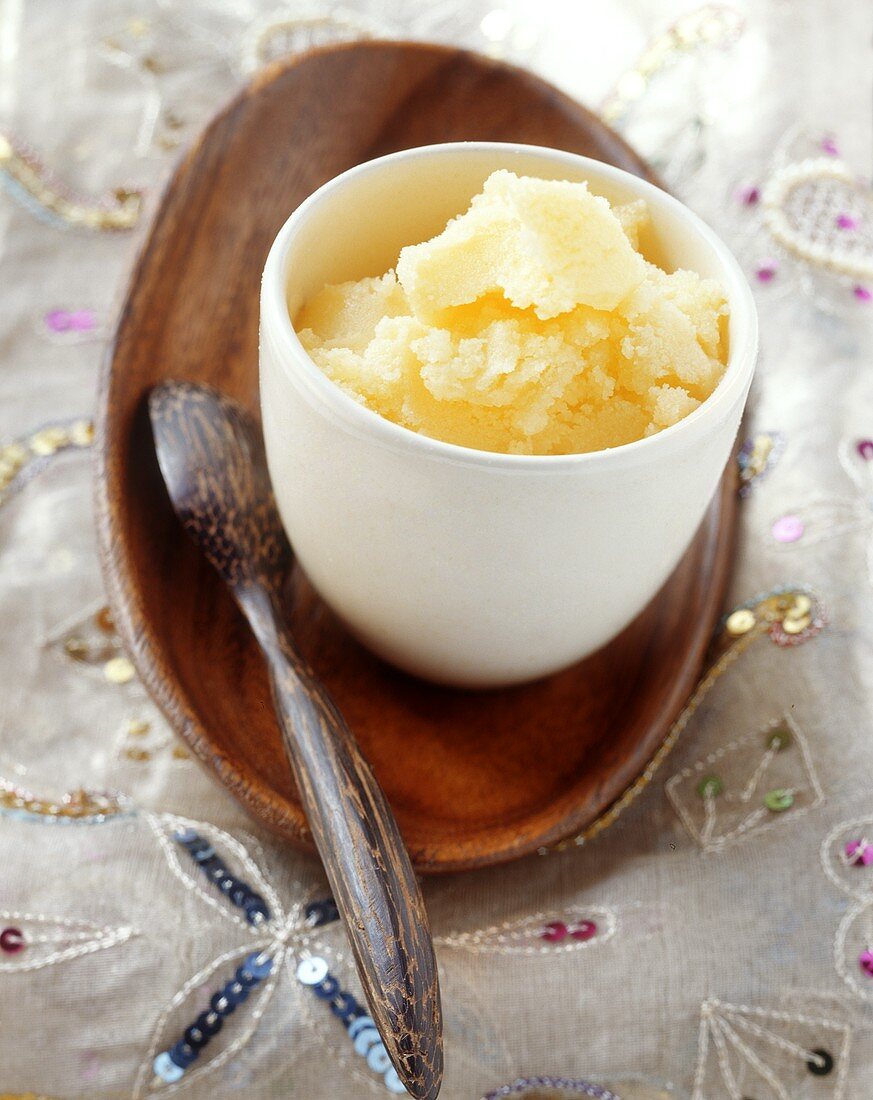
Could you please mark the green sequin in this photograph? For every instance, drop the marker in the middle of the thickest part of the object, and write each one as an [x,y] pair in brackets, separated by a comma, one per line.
[779,738]
[710,787]
[779,800]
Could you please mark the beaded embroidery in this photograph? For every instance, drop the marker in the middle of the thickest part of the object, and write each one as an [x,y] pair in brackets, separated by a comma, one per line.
[789,616]
[539,934]
[313,973]
[144,736]
[746,787]
[155,52]
[757,457]
[220,877]
[38,190]
[242,981]
[75,807]
[218,869]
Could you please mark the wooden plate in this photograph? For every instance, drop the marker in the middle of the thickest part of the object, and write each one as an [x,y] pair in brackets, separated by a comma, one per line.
[474,778]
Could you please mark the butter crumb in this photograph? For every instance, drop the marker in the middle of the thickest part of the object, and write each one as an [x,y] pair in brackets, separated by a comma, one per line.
[531,325]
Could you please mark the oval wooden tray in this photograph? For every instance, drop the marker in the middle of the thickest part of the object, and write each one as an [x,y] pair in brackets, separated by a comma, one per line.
[474,778]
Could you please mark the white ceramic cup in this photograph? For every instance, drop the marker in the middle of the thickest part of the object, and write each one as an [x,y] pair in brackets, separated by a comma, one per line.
[464,566]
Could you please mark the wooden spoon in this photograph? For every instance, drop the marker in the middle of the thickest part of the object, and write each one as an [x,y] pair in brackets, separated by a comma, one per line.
[213,463]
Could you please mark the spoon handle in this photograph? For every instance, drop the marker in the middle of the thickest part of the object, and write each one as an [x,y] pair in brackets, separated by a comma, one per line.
[369,871]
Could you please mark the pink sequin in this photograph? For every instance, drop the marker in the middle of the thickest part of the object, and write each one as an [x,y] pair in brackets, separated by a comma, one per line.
[865,961]
[584,930]
[859,853]
[749,195]
[863,293]
[787,529]
[864,447]
[830,147]
[766,272]
[65,320]
[555,931]
[11,941]
[846,221]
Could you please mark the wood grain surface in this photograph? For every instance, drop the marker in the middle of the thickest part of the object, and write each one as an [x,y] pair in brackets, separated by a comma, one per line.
[473,778]
[212,459]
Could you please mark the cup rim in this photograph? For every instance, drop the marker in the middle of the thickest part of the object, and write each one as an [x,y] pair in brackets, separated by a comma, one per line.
[277,326]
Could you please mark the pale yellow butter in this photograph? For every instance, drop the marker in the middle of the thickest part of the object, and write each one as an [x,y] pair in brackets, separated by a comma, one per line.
[531,325]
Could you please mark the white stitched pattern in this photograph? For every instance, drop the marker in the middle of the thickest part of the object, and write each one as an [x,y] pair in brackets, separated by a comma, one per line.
[782,1049]
[852,941]
[73,938]
[853,879]
[847,860]
[530,935]
[726,797]
[801,203]
[831,517]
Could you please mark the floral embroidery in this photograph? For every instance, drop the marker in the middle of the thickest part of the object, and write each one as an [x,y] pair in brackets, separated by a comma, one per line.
[149,51]
[747,786]
[33,941]
[742,1048]
[171,1022]
[288,939]
[817,213]
[281,936]
[275,944]
[818,210]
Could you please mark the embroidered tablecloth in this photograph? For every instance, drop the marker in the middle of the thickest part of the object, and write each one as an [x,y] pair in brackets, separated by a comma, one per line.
[717,940]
